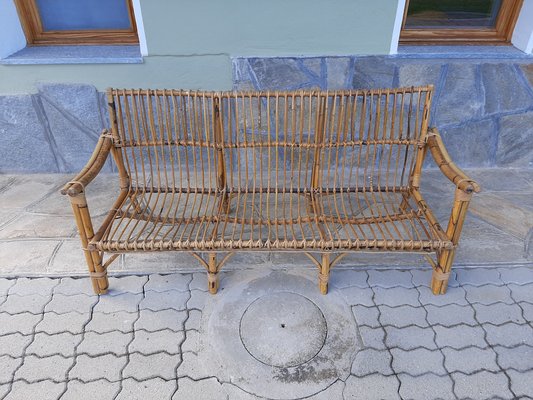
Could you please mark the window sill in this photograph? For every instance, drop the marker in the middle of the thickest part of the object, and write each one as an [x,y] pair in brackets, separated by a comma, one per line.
[463,52]
[38,55]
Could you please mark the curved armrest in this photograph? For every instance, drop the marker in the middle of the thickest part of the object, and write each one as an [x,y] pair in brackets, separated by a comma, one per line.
[93,166]
[446,165]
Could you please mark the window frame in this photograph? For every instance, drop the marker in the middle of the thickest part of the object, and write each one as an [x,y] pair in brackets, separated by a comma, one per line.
[36,35]
[499,35]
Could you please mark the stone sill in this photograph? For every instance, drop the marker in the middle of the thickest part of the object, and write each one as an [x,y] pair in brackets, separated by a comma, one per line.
[463,52]
[39,55]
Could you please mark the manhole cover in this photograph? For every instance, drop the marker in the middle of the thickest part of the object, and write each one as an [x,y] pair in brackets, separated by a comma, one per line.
[283,329]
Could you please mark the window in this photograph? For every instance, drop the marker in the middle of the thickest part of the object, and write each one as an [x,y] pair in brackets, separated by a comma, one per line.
[459,21]
[51,22]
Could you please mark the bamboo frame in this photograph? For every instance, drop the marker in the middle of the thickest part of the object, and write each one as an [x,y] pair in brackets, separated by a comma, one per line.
[499,35]
[311,171]
[36,35]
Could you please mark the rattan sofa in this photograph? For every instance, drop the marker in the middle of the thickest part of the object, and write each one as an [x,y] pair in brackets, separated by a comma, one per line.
[323,173]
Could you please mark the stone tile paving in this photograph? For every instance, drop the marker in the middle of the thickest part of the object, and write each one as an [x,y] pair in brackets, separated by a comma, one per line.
[476,343]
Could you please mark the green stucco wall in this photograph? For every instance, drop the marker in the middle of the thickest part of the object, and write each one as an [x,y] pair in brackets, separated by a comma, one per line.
[191,42]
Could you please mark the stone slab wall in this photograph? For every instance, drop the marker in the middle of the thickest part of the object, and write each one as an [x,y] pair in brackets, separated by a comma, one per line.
[483,108]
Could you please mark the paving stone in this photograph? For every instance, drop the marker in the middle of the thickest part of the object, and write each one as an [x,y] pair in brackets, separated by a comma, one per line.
[27,286]
[141,367]
[368,316]
[126,284]
[107,366]
[36,368]
[100,389]
[44,390]
[80,303]
[488,294]
[499,313]
[72,286]
[373,337]
[390,279]
[157,320]
[522,292]
[192,342]
[479,276]
[120,302]
[44,345]
[396,297]
[369,361]
[161,301]
[191,367]
[5,285]
[33,303]
[162,283]
[470,360]
[197,299]
[106,322]
[358,296]
[372,387]
[509,334]
[95,344]
[454,295]
[72,322]
[519,276]
[417,361]
[403,316]
[519,358]
[503,89]
[450,315]
[23,323]
[14,344]
[199,281]
[343,278]
[482,385]
[205,389]
[425,387]
[410,337]
[527,309]
[194,321]
[460,336]
[521,383]
[8,365]
[514,148]
[155,342]
[152,389]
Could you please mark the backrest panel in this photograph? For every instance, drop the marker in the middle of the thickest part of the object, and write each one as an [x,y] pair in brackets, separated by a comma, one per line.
[270,140]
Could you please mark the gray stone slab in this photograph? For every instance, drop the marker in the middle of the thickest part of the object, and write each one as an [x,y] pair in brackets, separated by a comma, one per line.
[521,383]
[373,73]
[28,256]
[522,292]
[121,321]
[460,336]
[155,342]
[428,386]
[27,286]
[23,323]
[100,389]
[417,362]
[527,309]
[5,285]
[450,315]
[528,72]
[366,316]
[482,385]
[509,335]
[411,337]
[197,299]
[338,71]
[45,390]
[470,360]
[346,278]
[419,75]
[29,225]
[141,367]
[107,366]
[390,278]
[514,145]
[358,296]
[36,369]
[369,361]
[194,320]
[278,73]
[33,303]
[127,302]
[72,322]
[372,386]
[205,389]
[154,389]
[192,342]
[25,143]
[403,316]
[156,301]
[373,337]
[499,313]
[479,276]
[44,345]
[518,276]
[163,283]
[198,281]
[396,297]
[126,284]
[454,295]
[95,344]
[157,320]
[519,358]
[8,365]
[504,90]
[13,344]
[488,294]
[192,367]
[80,303]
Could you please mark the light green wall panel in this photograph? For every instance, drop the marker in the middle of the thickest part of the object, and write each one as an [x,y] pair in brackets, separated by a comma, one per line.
[197,72]
[269,27]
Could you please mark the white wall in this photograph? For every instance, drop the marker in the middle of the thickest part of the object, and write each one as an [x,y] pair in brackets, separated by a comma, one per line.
[523,33]
[12,37]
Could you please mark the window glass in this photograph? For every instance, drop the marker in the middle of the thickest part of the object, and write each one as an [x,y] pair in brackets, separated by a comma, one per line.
[61,15]
[452,14]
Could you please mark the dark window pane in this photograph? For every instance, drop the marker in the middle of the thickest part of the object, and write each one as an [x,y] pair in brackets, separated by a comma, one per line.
[76,15]
[452,14]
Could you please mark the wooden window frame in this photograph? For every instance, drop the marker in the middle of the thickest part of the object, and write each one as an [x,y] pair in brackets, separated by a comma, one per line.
[36,35]
[499,35]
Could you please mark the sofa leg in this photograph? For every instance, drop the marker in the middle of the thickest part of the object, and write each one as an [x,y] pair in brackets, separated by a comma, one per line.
[441,273]
[99,277]
[323,275]
[212,274]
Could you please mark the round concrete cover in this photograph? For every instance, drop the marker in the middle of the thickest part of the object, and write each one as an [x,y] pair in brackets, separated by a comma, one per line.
[283,329]
[243,341]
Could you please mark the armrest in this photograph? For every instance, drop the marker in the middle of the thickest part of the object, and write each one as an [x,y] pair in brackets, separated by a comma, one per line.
[93,166]
[446,165]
